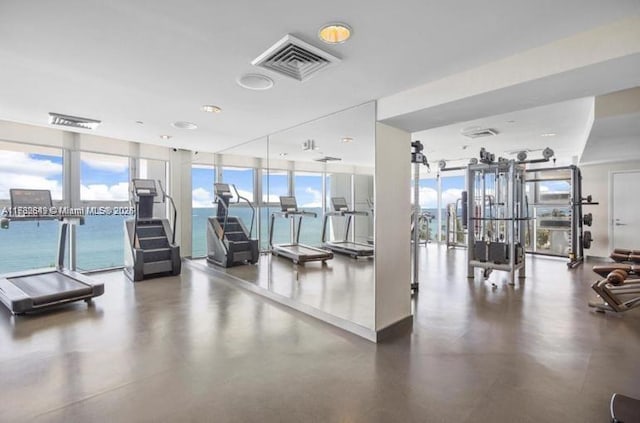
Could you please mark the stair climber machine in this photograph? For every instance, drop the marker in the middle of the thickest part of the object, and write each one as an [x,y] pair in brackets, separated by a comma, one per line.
[150,242]
[229,242]
[344,246]
[296,252]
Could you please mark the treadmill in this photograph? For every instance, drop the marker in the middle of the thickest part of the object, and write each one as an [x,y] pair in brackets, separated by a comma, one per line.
[354,249]
[296,252]
[34,290]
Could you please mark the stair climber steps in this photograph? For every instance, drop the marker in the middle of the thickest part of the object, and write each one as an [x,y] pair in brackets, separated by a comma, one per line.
[159,254]
[153,243]
[236,236]
[150,231]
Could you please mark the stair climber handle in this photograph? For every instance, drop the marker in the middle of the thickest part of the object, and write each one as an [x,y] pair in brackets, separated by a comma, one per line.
[253,210]
[175,212]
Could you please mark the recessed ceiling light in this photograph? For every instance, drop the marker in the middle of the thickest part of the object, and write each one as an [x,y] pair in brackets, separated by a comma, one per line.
[165,137]
[548,134]
[283,154]
[335,33]
[184,125]
[209,108]
[255,81]
[139,122]
[347,140]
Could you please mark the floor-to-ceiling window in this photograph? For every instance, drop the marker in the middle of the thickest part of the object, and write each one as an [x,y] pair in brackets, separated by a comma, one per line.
[308,193]
[29,244]
[202,197]
[451,193]
[428,222]
[104,182]
[275,183]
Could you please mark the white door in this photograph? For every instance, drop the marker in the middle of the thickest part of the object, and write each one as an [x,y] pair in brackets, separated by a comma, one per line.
[626,210]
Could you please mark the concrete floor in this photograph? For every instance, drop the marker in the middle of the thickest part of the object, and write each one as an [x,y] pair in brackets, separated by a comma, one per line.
[342,287]
[196,349]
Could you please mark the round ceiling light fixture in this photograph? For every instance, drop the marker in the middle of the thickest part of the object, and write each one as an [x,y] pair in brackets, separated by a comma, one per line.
[165,137]
[210,108]
[335,33]
[255,81]
[184,125]
[347,140]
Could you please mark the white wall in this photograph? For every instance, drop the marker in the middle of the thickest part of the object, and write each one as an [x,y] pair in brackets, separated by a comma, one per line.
[596,181]
[392,241]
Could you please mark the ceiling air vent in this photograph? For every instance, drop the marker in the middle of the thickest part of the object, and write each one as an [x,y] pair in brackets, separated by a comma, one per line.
[73,121]
[294,58]
[479,132]
[326,159]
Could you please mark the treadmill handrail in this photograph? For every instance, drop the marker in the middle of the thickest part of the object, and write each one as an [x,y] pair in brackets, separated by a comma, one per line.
[289,213]
[347,213]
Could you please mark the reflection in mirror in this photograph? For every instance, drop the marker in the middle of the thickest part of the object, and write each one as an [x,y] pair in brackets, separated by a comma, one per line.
[322,252]
[330,158]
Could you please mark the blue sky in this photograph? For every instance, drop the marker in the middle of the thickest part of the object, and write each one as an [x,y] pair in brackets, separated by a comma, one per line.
[308,187]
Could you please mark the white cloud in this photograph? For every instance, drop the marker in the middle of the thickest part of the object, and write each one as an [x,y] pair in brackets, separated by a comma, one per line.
[103,192]
[317,198]
[19,170]
[429,197]
[116,165]
[201,198]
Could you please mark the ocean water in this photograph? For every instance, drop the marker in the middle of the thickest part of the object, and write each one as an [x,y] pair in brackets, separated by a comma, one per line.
[100,241]
[31,245]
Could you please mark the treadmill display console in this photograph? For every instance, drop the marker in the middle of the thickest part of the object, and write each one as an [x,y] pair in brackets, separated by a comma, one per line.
[30,198]
[339,203]
[288,204]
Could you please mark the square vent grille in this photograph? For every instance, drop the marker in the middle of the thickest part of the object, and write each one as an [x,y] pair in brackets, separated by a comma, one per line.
[73,121]
[295,59]
[479,132]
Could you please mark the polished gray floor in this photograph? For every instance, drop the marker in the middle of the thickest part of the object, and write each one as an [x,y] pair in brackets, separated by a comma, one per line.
[196,349]
[343,287]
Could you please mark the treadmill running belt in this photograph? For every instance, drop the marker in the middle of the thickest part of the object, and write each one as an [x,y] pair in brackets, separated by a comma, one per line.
[50,287]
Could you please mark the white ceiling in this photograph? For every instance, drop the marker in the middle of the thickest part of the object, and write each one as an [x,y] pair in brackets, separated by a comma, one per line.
[159,61]
[521,130]
[357,123]
[613,138]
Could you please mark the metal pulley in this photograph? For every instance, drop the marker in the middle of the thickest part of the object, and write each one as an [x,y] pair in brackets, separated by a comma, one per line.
[587,239]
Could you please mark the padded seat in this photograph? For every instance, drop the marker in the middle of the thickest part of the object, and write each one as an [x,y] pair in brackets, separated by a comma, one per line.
[604,269]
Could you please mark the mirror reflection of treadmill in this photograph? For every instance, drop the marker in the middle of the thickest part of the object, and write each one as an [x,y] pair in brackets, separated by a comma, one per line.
[340,208]
[296,252]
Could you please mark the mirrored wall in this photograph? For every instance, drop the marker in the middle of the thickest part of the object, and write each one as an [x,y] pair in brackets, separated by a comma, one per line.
[306,197]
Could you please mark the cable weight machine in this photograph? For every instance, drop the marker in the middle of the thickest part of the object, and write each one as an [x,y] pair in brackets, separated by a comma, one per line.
[496,214]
